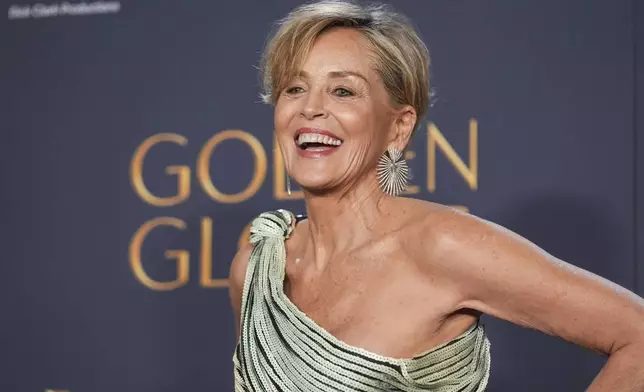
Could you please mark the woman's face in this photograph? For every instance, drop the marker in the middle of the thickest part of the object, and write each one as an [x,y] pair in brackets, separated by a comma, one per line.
[335,119]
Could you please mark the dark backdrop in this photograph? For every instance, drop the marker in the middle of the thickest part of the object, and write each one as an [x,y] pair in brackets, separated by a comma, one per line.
[638,101]
[534,126]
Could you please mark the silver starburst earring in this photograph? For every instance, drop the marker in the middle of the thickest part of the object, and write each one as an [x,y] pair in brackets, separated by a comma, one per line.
[392,172]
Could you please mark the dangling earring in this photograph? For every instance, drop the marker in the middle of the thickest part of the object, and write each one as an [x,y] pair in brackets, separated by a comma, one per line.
[288,184]
[392,172]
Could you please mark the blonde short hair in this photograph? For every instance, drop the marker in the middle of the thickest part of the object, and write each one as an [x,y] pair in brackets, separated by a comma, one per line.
[401,58]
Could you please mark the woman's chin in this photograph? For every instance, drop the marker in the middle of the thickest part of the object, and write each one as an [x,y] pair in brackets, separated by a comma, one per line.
[317,187]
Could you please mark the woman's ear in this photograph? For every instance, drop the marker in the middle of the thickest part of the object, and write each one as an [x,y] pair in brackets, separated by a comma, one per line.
[403,127]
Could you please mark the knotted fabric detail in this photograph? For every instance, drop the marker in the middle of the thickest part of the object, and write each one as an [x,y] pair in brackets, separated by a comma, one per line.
[282,350]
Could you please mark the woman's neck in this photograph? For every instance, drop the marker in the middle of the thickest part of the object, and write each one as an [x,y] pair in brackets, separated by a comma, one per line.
[340,222]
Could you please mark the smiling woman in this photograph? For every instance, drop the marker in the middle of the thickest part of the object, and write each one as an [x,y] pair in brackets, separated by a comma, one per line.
[340,90]
[376,292]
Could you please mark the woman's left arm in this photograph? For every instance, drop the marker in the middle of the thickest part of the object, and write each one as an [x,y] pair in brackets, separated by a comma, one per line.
[506,276]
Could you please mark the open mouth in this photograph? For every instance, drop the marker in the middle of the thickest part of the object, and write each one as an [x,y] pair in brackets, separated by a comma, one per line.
[316,142]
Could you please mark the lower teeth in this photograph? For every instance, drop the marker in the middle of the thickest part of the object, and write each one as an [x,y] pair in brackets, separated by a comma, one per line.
[310,146]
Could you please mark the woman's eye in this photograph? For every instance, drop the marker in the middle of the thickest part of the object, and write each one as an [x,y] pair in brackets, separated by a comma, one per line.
[343,92]
[294,90]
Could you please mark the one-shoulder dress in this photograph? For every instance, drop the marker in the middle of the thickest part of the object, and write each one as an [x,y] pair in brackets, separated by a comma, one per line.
[282,349]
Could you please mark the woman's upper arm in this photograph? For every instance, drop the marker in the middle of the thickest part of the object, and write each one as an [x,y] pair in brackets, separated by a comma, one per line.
[236,279]
[504,275]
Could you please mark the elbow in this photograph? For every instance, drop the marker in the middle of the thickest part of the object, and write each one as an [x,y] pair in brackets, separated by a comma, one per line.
[634,343]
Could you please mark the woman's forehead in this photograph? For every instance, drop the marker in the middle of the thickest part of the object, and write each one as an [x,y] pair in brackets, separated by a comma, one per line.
[341,40]
[340,53]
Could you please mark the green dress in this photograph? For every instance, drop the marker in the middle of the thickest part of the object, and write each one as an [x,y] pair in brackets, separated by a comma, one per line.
[282,349]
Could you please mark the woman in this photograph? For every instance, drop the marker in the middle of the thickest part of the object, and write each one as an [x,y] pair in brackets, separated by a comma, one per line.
[377,292]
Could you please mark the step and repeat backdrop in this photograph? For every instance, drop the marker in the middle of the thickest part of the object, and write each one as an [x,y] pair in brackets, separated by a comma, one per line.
[638,28]
[135,151]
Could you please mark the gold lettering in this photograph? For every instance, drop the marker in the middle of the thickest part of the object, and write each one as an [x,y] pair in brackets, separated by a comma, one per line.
[206,256]
[182,172]
[436,138]
[259,172]
[279,176]
[182,257]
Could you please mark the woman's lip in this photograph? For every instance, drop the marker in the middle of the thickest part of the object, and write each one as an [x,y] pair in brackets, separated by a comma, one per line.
[316,131]
[315,154]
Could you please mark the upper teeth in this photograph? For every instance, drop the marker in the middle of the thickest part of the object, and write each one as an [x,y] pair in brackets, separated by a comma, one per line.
[317,138]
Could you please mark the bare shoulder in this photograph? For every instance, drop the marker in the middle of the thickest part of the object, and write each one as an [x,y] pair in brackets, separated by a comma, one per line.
[498,272]
[427,223]
[427,230]
[461,243]
[441,228]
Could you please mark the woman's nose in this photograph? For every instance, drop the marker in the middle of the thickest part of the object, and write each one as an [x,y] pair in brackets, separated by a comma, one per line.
[314,107]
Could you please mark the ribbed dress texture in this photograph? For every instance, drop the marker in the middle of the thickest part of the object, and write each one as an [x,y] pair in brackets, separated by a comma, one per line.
[282,349]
